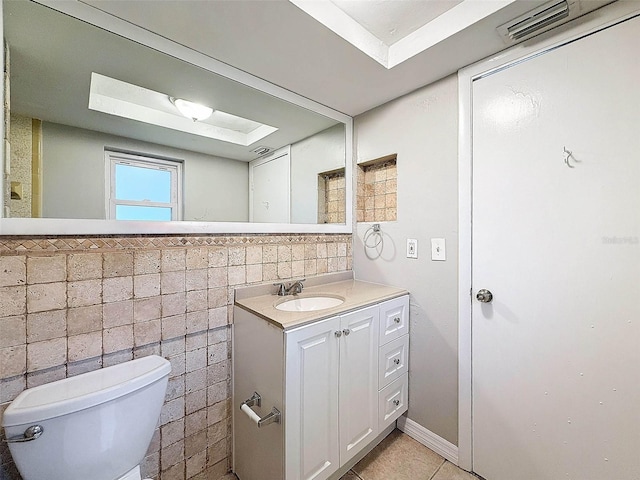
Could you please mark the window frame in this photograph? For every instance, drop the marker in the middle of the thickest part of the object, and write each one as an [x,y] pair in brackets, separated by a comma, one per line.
[114,158]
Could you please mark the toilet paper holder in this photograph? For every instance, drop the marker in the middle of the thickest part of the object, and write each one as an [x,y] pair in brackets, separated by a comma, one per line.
[256,399]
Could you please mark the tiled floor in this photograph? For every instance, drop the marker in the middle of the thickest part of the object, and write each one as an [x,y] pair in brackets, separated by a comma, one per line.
[400,457]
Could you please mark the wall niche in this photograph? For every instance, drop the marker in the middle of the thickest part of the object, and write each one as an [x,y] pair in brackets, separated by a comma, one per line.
[377,192]
[331,196]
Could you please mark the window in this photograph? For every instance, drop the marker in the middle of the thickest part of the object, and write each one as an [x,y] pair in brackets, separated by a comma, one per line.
[142,188]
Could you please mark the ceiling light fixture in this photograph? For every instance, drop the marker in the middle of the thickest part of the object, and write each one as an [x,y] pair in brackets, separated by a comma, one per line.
[194,111]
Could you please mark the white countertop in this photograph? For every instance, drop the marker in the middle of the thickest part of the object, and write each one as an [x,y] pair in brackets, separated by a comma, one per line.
[356,293]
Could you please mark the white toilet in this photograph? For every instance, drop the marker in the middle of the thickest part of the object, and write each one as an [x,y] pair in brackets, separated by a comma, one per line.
[95,426]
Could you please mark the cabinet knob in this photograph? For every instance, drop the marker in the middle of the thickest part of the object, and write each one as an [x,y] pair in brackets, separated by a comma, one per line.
[396,402]
[346,331]
[338,333]
[396,361]
[396,319]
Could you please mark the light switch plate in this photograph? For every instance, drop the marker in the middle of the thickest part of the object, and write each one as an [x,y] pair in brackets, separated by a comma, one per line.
[412,248]
[438,249]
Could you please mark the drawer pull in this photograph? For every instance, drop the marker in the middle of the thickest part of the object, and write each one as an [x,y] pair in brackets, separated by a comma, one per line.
[396,319]
[396,403]
[346,331]
[338,333]
[396,361]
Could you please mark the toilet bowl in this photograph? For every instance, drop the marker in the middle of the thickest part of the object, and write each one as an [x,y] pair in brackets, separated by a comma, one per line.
[94,426]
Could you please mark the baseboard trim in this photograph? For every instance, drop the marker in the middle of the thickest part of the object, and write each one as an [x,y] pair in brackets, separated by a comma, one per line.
[429,439]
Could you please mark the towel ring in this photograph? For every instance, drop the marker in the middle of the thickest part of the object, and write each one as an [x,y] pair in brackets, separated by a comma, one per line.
[373,232]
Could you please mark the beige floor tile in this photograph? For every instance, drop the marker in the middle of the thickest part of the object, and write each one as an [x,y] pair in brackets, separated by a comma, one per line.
[350,475]
[399,457]
[449,471]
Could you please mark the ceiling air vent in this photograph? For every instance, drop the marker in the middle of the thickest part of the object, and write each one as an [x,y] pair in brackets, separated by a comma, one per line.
[537,20]
[261,150]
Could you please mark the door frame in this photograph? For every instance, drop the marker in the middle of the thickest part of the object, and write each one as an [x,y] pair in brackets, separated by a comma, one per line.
[562,35]
[281,152]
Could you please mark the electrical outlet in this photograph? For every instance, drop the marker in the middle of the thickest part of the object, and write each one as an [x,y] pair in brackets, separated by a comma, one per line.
[412,248]
[438,249]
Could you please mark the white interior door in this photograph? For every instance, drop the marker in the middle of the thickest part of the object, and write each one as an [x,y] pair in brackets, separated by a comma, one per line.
[556,354]
[269,188]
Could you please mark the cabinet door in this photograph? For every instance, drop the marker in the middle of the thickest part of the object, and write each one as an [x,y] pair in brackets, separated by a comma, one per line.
[311,419]
[358,381]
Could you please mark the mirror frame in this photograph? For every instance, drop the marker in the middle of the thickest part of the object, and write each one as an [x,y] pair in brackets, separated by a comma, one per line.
[106,21]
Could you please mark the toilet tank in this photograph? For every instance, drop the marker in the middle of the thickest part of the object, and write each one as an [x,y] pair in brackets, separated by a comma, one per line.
[96,426]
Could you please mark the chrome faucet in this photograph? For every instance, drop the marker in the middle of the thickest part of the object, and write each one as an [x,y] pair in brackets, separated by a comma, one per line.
[294,288]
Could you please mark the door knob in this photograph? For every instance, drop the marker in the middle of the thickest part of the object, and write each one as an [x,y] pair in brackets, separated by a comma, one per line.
[484,296]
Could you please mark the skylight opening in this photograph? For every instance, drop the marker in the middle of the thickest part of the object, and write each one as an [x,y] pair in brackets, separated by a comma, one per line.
[392,32]
[122,99]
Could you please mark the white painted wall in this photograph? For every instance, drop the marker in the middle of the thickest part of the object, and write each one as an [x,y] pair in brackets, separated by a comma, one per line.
[319,153]
[422,128]
[215,188]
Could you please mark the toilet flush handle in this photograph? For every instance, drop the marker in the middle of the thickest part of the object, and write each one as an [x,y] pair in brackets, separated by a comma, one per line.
[31,433]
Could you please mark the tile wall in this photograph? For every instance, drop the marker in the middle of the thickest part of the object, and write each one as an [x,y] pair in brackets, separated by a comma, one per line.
[21,139]
[72,305]
[5,182]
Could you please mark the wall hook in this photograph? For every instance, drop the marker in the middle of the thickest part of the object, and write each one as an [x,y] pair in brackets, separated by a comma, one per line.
[569,155]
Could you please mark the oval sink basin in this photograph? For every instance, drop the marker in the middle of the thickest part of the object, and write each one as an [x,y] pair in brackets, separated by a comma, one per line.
[309,304]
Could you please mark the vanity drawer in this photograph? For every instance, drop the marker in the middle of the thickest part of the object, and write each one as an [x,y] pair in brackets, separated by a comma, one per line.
[394,319]
[393,360]
[392,401]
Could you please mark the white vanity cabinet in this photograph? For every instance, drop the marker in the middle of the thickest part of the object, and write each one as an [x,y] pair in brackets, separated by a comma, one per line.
[331,392]
[338,383]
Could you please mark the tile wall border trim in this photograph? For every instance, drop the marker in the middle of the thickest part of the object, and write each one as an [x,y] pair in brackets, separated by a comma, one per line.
[59,244]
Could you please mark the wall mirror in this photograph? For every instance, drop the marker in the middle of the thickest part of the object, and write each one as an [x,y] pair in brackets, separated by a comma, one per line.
[98,139]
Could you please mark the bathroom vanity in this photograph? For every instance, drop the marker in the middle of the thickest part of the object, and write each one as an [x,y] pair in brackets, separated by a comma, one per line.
[320,387]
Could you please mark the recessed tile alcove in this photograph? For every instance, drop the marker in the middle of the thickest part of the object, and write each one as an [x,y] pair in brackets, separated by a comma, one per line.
[377,190]
[332,197]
